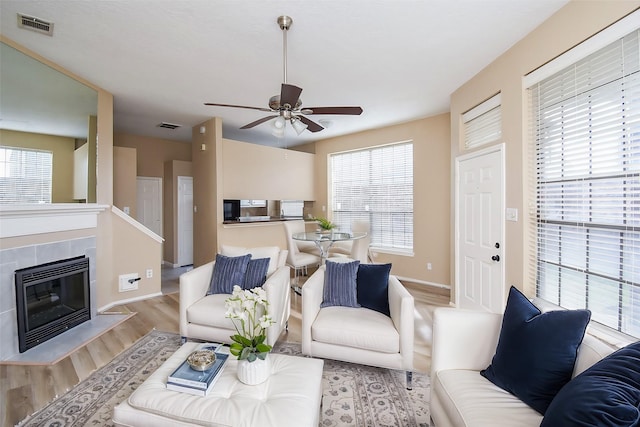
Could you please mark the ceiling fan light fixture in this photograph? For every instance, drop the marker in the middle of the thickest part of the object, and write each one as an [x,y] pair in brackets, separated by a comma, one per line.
[298,126]
[279,133]
[279,123]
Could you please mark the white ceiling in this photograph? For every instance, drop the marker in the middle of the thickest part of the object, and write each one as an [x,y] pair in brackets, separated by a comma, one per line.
[163,59]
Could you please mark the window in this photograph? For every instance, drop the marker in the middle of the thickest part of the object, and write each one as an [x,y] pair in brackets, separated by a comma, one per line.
[376,184]
[586,124]
[25,176]
[483,123]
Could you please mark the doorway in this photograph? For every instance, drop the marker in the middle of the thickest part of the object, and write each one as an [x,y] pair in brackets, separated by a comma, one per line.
[479,247]
[185,221]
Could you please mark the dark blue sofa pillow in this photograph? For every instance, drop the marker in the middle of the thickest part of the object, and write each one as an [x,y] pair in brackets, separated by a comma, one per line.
[605,395]
[340,284]
[228,272]
[536,351]
[256,273]
[373,286]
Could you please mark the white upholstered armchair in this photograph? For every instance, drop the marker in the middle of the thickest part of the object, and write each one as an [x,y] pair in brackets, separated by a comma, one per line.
[359,335]
[202,316]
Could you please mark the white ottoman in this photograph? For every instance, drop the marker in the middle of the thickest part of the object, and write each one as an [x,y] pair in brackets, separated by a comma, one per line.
[290,397]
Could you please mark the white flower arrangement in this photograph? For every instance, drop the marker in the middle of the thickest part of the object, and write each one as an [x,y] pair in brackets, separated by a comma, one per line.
[248,309]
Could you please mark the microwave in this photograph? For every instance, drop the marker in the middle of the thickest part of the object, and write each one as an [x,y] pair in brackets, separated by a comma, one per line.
[231,210]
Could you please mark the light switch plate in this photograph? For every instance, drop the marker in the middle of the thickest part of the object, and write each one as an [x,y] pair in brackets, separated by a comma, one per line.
[512,214]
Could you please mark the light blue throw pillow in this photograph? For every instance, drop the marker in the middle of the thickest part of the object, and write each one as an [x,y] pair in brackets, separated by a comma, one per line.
[340,286]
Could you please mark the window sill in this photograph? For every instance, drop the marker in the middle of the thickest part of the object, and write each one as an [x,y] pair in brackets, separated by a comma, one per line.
[390,251]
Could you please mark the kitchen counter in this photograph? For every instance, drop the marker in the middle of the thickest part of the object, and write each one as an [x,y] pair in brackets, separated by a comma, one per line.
[259,219]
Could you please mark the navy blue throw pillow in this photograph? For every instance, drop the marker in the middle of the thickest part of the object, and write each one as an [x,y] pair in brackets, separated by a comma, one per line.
[256,273]
[228,272]
[605,395]
[536,351]
[373,287]
[340,284]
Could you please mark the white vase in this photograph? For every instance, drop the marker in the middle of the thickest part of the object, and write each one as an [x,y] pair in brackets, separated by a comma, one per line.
[253,373]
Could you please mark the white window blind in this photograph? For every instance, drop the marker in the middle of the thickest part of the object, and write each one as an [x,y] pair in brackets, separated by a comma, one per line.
[586,123]
[25,176]
[376,185]
[483,123]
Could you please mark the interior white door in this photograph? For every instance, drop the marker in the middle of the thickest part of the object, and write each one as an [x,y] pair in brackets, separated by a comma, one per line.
[480,230]
[185,220]
[149,206]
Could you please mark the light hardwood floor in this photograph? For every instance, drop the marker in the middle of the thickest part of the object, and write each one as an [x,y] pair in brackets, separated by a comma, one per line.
[25,389]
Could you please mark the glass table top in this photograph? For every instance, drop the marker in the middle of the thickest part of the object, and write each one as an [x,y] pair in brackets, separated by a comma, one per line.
[334,236]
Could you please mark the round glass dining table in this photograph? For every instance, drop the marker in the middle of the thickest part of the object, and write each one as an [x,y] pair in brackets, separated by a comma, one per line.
[324,240]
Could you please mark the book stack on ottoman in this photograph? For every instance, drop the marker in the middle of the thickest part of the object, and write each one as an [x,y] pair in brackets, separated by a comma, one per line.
[197,376]
[290,397]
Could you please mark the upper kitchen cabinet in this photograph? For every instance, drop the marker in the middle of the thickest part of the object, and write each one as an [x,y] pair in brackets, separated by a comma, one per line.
[252,171]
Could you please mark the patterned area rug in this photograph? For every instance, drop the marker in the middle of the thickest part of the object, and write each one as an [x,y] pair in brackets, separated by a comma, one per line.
[353,395]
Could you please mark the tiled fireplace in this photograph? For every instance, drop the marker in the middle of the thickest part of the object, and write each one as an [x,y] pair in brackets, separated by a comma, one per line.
[28,256]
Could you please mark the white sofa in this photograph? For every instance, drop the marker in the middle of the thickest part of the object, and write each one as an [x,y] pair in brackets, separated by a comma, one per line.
[359,335]
[202,316]
[464,343]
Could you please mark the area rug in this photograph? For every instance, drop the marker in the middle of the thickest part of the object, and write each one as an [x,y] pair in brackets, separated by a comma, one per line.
[353,395]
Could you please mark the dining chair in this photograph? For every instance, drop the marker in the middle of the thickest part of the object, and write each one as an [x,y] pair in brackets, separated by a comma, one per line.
[355,249]
[297,259]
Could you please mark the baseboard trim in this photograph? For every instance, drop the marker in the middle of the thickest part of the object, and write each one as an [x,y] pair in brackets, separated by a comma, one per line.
[424,282]
[128,301]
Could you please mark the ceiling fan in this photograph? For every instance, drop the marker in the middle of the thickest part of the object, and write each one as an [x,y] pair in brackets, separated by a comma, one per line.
[287,107]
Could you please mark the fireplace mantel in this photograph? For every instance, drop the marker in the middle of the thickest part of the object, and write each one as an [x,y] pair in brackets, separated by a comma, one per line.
[24,220]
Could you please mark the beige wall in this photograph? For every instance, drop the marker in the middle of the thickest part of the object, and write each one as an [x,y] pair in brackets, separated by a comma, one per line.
[257,172]
[133,252]
[124,179]
[62,149]
[575,22]
[153,152]
[207,189]
[252,235]
[431,168]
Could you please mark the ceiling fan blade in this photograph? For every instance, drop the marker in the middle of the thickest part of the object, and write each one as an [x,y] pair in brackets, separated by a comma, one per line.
[311,125]
[289,94]
[237,106]
[354,111]
[257,122]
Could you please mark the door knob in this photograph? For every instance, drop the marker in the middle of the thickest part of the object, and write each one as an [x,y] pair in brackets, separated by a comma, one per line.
[496,258]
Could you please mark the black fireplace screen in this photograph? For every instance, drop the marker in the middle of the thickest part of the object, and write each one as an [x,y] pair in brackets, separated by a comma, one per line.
[50,299]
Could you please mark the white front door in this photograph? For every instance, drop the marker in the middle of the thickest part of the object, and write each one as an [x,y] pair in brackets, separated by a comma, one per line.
[149,207]
[185,220]
[480,230]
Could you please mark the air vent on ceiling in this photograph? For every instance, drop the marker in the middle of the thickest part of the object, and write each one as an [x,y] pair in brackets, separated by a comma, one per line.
[35,24]
[168,125]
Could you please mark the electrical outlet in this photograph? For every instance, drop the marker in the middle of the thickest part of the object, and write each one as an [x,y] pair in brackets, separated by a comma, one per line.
[128,282]
[429,266]
[149,273]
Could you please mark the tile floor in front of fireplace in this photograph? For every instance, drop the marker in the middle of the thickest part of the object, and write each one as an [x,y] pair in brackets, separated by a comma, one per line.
[60,346]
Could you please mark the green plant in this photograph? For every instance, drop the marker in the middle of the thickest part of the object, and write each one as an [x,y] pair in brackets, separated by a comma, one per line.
[325,224]
[248,310]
